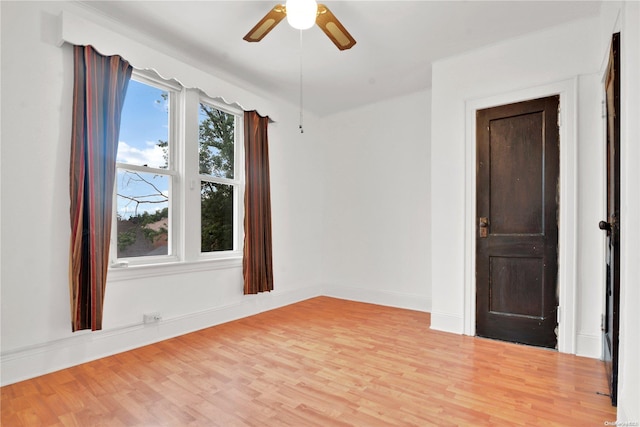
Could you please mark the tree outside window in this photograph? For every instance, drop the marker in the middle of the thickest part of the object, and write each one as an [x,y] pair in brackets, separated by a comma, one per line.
[149,182]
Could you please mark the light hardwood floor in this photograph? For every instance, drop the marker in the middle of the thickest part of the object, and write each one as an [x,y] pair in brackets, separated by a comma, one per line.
[320,362]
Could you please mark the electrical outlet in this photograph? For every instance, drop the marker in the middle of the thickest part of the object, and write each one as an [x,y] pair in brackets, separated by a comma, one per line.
[151,317]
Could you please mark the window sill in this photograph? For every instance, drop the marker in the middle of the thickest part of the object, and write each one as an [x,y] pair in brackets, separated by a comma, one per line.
[119,274]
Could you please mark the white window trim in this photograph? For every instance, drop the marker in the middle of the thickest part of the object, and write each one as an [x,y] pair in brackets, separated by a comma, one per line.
[237,182]
[172,172]
[184,212]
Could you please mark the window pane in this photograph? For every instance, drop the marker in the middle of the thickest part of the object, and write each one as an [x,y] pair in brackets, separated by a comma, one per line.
[142,214]
[144,127]
[217,134]
[217,217]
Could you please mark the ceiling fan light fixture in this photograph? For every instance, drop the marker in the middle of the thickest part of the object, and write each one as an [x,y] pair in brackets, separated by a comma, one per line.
[301,14]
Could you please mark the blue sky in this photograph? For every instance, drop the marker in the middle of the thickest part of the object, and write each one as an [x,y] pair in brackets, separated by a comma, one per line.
[144,122]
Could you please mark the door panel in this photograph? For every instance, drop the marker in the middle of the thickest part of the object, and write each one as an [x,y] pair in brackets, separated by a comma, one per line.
[516,174]
[612,224]
[516,286]
[517,235]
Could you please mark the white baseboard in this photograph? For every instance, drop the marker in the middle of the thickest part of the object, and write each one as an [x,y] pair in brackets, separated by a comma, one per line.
[589,346]
[447,322]
[85,346]
[391,299]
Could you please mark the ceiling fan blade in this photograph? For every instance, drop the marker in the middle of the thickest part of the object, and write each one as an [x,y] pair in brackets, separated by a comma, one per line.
[334,29]
[266,24]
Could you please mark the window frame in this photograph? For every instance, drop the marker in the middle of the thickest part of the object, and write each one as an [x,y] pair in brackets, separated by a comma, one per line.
[172,172]
[237,182]
[184,250]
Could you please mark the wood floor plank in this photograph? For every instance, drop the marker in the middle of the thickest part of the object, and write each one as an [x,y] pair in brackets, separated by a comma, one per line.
[321,362]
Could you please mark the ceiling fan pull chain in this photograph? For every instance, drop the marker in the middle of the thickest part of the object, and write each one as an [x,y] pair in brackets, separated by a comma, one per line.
[300,125]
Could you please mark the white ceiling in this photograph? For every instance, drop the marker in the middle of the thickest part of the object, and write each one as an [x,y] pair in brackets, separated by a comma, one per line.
[397,41]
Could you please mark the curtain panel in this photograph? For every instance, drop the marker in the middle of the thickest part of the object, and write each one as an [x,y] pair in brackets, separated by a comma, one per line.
[257,265]
[100,85]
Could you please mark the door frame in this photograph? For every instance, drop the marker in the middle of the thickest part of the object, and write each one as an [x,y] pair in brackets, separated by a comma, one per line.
[613,376]
[567,232]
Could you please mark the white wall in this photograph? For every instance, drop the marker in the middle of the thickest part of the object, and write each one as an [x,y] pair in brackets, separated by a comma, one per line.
[389,236]
[529,66]
[575,52]
[376,203]
[591,191]
[624,17]
[333,233]
[36,118]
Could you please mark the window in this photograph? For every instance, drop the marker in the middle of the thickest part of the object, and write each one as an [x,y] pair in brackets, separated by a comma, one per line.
[218,186]
[162,161]
[145,172]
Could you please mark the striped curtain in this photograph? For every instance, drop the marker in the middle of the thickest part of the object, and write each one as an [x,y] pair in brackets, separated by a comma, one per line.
[256,264]
[100,85]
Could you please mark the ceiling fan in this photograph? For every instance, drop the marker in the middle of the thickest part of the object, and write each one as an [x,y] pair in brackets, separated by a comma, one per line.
[302,14]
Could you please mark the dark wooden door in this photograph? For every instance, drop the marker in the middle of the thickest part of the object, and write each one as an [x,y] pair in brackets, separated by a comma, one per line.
[517,222]
[612,223]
